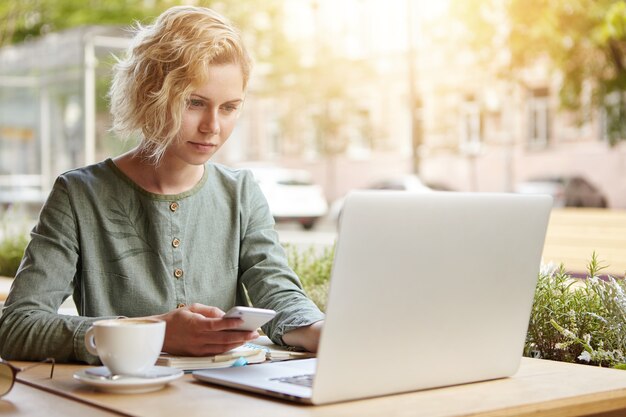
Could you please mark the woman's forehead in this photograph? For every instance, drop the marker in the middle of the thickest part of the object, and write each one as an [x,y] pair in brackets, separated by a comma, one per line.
[224,82]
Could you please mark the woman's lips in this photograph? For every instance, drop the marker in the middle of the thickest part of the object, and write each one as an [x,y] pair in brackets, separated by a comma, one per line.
[203,147]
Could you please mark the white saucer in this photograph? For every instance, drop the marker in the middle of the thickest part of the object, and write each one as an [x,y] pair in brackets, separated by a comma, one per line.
[128,384]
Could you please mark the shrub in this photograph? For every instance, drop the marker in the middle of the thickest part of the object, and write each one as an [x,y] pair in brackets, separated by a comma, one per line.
[13,240]
[11,252]
[313,266]
[576,320]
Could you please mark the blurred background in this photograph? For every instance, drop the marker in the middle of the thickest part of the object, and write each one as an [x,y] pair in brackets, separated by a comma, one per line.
[465,95]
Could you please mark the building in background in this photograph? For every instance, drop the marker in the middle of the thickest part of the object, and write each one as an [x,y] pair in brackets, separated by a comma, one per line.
[480,131]
[51,95]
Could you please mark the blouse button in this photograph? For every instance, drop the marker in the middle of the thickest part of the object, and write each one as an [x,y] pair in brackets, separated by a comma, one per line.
[181,305]
[176,242]
[174,206]
[178,272]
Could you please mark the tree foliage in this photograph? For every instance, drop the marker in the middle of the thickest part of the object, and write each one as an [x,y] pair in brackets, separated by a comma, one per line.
[27,19]
[584,41]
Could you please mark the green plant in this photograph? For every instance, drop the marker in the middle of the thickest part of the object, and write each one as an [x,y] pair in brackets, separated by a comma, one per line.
[313,266]
[575,320]
[11,252]
[13,241]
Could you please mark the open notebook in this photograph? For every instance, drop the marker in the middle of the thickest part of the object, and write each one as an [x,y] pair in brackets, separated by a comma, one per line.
[258,351]
[237,357]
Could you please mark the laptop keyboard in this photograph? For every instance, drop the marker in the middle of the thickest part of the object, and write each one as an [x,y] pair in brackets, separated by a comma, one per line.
[303,380]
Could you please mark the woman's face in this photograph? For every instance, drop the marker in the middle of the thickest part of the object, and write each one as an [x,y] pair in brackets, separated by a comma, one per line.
[210,115]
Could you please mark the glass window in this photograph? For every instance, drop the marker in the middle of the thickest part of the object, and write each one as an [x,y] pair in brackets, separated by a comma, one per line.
[538,118]
[471,125]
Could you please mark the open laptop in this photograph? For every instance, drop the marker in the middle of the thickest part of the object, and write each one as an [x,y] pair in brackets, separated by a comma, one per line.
[427,290]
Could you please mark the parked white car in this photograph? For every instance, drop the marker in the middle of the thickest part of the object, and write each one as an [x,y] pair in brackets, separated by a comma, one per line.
[291,194]
[410,183]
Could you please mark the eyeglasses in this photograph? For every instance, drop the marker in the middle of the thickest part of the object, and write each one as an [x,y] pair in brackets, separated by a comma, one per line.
[9,372]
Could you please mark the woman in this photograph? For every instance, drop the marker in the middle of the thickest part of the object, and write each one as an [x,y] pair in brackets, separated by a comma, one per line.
[160,231]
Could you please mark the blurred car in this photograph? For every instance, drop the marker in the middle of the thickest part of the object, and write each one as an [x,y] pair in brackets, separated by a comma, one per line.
[28,198]
[291,194]
[402,183]
[411,183]
[567,191]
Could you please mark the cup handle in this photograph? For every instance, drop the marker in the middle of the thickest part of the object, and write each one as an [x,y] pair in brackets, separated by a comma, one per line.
[90,342]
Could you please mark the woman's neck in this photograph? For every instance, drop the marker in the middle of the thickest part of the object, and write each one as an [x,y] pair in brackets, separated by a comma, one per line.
[168,177]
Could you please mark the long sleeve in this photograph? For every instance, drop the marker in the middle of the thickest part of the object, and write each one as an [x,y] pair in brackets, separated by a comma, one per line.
[265,274]
[30,327]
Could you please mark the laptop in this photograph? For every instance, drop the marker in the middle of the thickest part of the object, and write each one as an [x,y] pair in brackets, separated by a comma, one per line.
[427,290]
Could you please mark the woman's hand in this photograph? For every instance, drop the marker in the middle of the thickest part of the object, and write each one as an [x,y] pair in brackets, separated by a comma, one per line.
[200,330]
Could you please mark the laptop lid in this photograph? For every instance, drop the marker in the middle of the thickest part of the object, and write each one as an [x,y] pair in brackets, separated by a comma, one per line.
[427,290]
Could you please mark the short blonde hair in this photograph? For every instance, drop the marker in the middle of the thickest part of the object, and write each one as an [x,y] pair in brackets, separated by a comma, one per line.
[163,65]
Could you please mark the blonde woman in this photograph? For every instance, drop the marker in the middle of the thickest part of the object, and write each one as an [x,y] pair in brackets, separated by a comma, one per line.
[160,230]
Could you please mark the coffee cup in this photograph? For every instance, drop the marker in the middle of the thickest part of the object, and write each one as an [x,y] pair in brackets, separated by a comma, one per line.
[128,346]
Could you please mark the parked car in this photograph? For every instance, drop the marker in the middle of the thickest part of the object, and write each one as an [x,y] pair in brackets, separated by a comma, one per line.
[411,183]
[567,191]
[291,194]
[402,183]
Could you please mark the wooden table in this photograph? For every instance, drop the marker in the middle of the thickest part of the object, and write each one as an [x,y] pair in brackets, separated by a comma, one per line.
[26,401]
[540,388]
[575,233]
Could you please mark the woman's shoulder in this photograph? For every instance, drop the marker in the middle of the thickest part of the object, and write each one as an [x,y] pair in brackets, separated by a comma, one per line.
[83,186]
[85,173]
[94,176]
[231,181]
[229,174]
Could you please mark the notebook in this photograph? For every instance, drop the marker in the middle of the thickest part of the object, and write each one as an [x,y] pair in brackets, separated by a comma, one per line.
[427,290]
[250,353]
[240,356]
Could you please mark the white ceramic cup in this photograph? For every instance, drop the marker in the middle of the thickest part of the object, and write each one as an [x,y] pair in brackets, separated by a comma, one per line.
[126,346]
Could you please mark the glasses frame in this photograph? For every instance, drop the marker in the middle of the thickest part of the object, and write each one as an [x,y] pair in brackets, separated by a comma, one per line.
[16,370]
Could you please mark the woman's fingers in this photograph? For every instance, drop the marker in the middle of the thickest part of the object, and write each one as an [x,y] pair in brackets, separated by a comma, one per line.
[206,311]
[200,330]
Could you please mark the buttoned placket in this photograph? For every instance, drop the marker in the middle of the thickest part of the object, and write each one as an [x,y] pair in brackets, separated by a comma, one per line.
[176,242]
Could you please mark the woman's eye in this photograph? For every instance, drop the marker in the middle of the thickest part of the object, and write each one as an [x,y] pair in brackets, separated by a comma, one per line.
[195,103]
[229,109]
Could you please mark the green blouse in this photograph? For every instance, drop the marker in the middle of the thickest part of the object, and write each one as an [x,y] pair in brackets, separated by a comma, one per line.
[122,251]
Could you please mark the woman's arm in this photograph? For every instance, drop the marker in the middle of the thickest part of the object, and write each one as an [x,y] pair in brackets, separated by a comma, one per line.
[267,277]
[30,326]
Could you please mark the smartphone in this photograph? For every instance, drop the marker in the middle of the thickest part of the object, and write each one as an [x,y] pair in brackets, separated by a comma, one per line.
[253,318]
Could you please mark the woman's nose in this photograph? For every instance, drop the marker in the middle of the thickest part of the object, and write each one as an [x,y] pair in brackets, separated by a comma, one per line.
[210,123]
